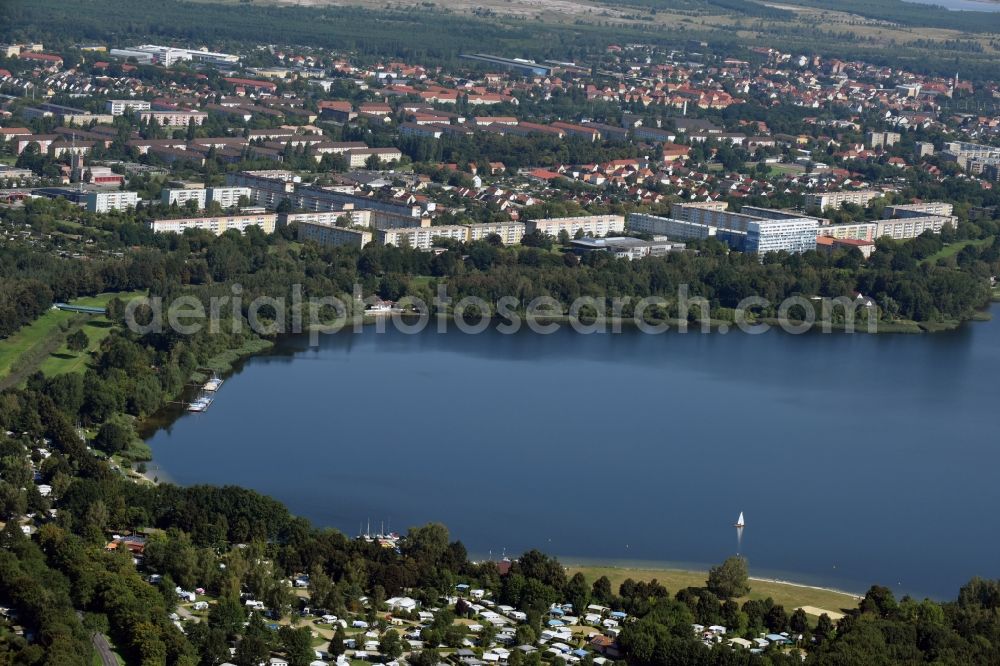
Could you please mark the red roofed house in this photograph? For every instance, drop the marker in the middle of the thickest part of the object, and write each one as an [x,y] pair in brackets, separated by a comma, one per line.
[45,59]
[252,84]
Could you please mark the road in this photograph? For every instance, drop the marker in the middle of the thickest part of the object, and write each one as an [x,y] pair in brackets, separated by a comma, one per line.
[108,657]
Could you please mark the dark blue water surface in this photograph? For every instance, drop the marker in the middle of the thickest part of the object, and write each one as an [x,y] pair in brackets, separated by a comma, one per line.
[856,459]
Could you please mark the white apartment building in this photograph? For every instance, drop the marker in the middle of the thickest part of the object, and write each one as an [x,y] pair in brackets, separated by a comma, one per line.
[217,224]
[227,197]
[919,209]
[174,118]
[910,227]
[104,202]
[180,196]
[864,231]
[325,234]
[510,233]
[421,238]
[824,200]
[595,225]
[667,226]
[116,107]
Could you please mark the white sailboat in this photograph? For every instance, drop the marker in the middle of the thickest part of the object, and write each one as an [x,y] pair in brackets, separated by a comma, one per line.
[739,521]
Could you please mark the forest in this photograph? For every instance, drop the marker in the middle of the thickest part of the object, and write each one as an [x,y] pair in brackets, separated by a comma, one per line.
[415,33]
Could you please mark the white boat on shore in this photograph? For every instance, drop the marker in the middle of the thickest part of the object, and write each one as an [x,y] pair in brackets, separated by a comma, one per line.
[200,404]
[213,384]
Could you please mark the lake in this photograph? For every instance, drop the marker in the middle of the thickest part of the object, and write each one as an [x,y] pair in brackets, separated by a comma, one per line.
[857,459]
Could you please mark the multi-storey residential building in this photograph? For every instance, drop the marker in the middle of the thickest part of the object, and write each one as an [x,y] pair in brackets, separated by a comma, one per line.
[227,197]
[864,231]
[910,227]
[882,139]
[794,236]
[174,118]
[326,234]
[421,238]
[824,200]
[510,233]
[742,231]
[180,196]
[104,202]
[217,224]
[670,227]
[919,209]
[594,225]
[116,107]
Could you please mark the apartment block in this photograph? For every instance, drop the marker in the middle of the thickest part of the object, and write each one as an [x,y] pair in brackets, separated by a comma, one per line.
[174,118]
[510,233]
[325,234]
[117,107]
[421,238]
[227,197]
[217,224]
[865,231]
[824,200]
[670,227]
[910,227]
[594,225]
[180,196]
[104,202]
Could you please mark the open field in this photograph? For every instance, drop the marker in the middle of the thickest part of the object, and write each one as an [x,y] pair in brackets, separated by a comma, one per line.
[952,249]
[803,18]
[41,345]
[789,595]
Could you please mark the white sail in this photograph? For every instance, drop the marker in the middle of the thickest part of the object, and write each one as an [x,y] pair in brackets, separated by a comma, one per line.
[739,521]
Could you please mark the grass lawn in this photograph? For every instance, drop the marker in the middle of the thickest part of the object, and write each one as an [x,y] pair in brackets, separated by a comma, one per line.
[952,249]
[788,595]
[42,343]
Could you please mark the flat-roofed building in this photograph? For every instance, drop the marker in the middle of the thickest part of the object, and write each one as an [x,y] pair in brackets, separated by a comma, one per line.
[793,236]
[117,107]
[919,209]
[901,228]
[670,227]
[623,247]
[864,231]
[594,225]
[227,197]
[824,200]
[421,238]
[104,202]
[174,118]
[326,234]
[510,233]
[182,195]
[217,224]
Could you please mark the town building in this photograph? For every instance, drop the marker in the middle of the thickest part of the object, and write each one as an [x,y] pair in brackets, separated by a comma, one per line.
[217,224]
[326,234]
[227,197]
[117,107]
[825,200]
[670,227]
[180,196]
[152,54]
[105,202]
[421,238]
[592,225]
[177,118]
[623,247]
[510,233]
